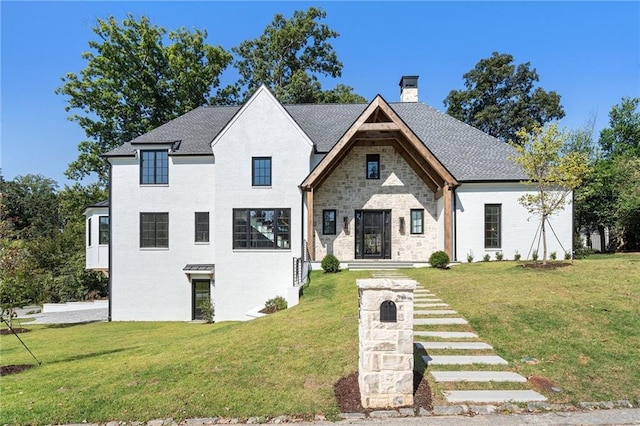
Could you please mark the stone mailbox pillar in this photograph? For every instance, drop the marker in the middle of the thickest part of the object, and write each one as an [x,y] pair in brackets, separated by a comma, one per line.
[385,370]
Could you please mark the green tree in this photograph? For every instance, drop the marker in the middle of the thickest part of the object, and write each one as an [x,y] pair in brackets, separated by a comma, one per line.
[288,58]
[133,83]
[622,137]
[500,98]
[552,174]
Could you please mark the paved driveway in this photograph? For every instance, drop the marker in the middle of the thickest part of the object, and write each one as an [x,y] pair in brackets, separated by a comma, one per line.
[71,317]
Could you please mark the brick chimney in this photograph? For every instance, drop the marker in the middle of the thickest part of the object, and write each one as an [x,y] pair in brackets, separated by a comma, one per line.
[409,88]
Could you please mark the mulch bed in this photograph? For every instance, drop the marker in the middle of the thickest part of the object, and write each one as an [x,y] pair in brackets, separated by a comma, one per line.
[5,331]
[12,369]
[549,265]
[347,392]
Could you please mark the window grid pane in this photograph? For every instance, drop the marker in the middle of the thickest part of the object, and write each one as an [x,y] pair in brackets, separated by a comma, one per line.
[261,171]
[154,167]
[492,231]
[202,227]
[417,221]
[373,166]
[103,236]
[154,230]
[262,229]
[329,222]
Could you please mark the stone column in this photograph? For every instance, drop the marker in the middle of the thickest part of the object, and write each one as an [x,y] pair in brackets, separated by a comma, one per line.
[386,342]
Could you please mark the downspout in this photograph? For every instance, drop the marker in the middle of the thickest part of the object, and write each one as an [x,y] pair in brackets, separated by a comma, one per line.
[110,286]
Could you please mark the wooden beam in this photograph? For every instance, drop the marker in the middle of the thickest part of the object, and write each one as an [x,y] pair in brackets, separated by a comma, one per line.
[448,216]
[378,127]
[310,226]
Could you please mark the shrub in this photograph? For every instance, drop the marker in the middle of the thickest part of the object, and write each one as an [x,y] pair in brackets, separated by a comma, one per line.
[470,256]
[207,310]
[517,256]
[330,264]
[276,304]
[534,255]
[486,258]
[582,252]
[553,255]
[499,256]
[567,255]
[439,259]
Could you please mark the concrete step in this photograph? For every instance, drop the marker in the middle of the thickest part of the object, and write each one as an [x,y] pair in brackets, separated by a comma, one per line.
[446,334]
[433,312]
[486,396]
[477,376]
[430,305]
[374,265]
[455,345]
[439,321]
[463,359]
[426,300]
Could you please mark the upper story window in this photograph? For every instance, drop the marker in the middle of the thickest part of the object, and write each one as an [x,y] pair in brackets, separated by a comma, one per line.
[154,230]
[417,221]
[154,167]
[492,225]
[262,228]
[261,171]
[202,227]
[103,230]
[328,222]
[373,166]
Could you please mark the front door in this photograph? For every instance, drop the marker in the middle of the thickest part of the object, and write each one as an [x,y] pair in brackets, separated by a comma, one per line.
[201,298]
[373,234]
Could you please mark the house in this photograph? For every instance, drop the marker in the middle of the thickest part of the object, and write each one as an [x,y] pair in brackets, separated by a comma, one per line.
[231,204]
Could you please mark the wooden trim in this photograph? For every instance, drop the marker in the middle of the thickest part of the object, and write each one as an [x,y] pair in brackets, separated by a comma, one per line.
[378,127]
[448,235]
[310,226]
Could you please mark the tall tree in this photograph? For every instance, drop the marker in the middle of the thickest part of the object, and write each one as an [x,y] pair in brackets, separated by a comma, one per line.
[500,98]
[622,137]
[552,175]
[288,58]
[133,83]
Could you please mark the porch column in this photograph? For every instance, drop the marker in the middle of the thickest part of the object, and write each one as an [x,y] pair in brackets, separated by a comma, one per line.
[310,228]
[448,215]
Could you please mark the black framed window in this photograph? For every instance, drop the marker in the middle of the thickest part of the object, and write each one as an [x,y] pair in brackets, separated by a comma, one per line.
[492,225]
[373,166]
[261,228]
[89,232]
[328,222]
[154,230]
[103,230]
[261,171]
[154,167]
[202,227]
[417,221]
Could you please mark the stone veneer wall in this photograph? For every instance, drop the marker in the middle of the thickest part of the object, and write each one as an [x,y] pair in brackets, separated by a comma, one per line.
[399,189]
[385,365]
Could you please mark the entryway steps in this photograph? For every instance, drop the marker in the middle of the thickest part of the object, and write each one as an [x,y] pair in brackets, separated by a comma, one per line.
[477,376]
[434,312]
[439,321]
[463,360]
[486,396]
[429,305]
[455,345]
[377,265]
[447,334]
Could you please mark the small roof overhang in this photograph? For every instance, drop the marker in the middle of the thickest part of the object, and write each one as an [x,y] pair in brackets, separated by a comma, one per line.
[199,269]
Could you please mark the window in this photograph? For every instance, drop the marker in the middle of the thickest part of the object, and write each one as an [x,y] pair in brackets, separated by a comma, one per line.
[328,222]
[103,230]
[492,231]
[154,230]
[89,232]
[261,229]
[261,171]
[373,166]
[154,167]
[202,227]
[417,221]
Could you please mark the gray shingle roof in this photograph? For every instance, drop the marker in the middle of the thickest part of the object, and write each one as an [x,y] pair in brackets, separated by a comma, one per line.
[468,153]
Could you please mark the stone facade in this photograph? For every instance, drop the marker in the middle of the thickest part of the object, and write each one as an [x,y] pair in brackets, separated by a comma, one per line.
[386,348]
[399,189]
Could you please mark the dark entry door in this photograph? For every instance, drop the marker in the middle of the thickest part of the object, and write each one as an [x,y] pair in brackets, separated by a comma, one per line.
[201,294]
[373,234]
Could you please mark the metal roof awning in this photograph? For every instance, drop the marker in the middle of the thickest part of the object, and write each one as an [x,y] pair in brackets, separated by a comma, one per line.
[200,269]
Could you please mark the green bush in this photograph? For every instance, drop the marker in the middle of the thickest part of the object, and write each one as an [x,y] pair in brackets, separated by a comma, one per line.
[330,264]
[517,256]
[567,255]
[553,255]
[499,256]
[486,258]
[439,259]
[470,256]
[276,304]
[207,309]
[534,255]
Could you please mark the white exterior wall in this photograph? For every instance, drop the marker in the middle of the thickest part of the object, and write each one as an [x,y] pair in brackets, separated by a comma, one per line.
[246,279]
[518,227]
[149,284]
[97,255]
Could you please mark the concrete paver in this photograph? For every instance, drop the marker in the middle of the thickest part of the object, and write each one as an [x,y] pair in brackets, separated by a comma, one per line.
[439,321]
[446,334]
[477,376]
[434,312]
[455,345]
[497,396]
[463,359]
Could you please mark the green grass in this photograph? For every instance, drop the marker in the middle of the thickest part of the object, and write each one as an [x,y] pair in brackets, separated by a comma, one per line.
[581,322]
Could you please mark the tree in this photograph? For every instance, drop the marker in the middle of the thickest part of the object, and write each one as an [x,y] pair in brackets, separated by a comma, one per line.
[622,137]
[552,175]
[133,83]
[288,58]
[500,98]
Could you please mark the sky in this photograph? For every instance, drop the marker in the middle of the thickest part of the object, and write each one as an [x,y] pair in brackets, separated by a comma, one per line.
[587,51]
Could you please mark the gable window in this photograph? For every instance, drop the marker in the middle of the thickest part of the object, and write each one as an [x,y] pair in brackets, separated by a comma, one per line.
[417,221]
[89,232]
[154,230]
[261,171]
[492,225]
[373,166]
[103,230]
[261,228]
[202,227]
[154,167]
[328,222]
